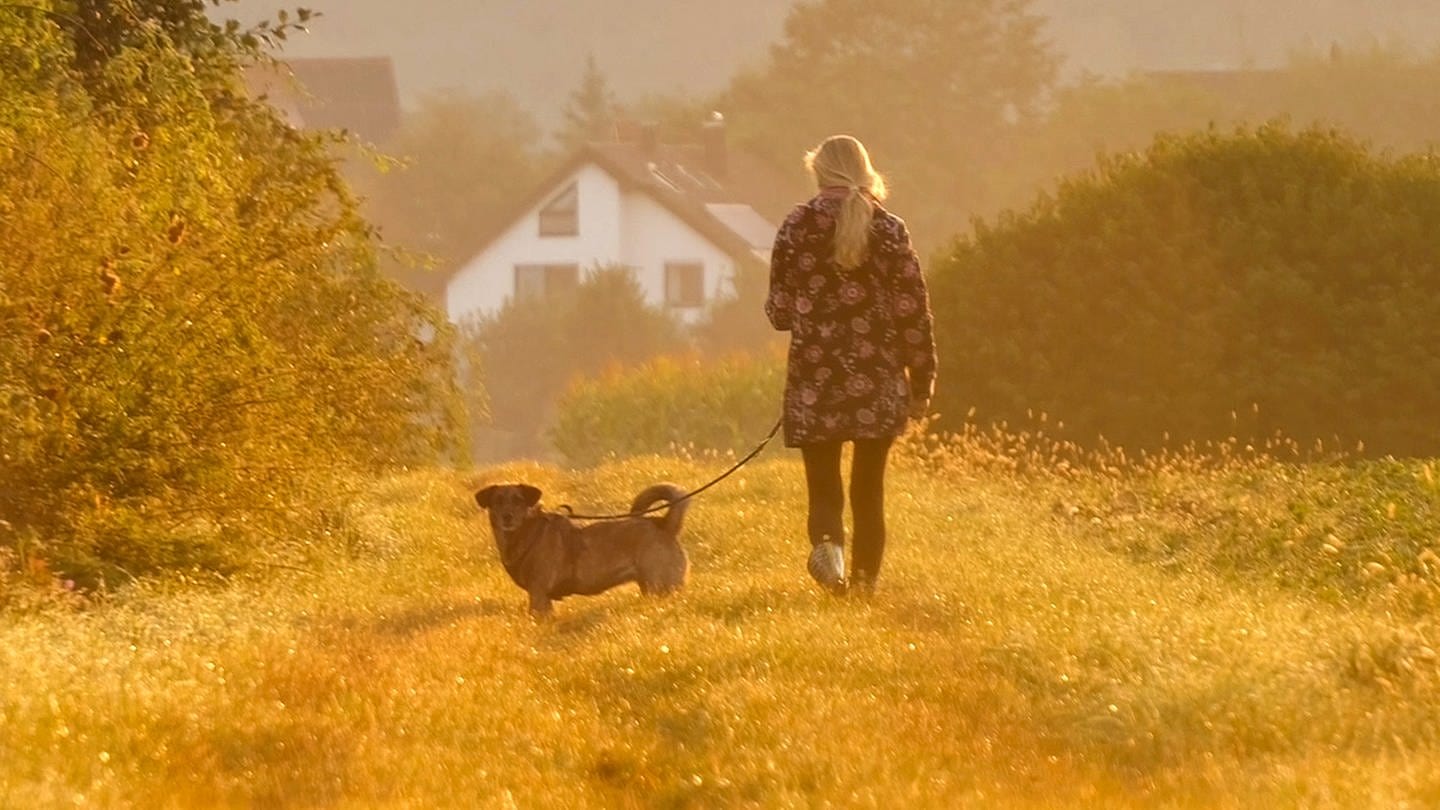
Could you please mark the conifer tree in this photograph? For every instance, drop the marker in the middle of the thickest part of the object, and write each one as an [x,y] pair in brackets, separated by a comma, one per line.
[590,113]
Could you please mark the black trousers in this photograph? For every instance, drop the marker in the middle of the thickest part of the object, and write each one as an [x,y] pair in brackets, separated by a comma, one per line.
[867,500]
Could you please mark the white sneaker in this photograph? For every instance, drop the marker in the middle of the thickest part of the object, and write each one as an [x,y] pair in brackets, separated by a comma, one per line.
[827,565]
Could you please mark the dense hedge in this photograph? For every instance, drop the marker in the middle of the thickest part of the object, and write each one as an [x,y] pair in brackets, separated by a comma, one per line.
[193,335]
[687,403]
[1220,284]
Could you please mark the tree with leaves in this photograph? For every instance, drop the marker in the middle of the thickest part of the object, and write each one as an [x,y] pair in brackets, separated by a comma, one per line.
[463,161]
[194,337]
[1384,95]
[935,88]
[531,349]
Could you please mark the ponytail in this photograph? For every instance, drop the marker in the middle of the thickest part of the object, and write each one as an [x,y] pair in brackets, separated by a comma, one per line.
[841,160]
[852,229]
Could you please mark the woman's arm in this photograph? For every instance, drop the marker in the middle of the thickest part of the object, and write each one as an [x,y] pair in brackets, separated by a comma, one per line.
[779,304]
[913,320]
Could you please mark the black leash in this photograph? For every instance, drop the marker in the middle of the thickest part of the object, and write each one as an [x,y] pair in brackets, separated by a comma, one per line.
[687,496]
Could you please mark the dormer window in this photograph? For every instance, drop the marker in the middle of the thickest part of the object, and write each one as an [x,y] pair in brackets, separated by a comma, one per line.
[561,216]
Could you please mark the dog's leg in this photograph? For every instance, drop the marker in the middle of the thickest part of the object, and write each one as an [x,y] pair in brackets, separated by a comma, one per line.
[662,569]
[540,605]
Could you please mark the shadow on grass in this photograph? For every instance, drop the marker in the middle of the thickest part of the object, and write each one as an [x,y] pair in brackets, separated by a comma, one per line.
[430,617]
[737,605]
[579,622]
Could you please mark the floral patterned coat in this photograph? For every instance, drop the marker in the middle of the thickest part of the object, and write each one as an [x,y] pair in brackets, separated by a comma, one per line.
[861,342]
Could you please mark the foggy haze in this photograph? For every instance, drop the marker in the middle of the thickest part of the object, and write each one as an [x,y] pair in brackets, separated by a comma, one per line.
[537,50]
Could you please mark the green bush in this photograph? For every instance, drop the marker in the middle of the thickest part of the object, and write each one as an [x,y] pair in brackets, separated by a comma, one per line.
[1218,285]
[671,402]
[193,335]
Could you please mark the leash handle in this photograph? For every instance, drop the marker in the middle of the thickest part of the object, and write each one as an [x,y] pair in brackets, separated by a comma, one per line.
[570,513]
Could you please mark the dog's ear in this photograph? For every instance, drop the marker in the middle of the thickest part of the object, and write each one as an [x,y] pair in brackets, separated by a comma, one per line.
[532,495]
[483,496]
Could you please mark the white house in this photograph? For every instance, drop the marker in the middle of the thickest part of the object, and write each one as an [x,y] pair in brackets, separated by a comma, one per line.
[684,219]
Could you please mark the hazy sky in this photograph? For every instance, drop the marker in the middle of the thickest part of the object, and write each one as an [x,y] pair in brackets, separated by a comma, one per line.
[537,48]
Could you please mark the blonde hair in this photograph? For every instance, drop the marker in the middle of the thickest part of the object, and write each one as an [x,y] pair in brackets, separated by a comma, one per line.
[841,160]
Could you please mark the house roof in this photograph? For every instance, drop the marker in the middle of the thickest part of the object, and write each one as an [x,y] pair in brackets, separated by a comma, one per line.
[355,94]
[737,209]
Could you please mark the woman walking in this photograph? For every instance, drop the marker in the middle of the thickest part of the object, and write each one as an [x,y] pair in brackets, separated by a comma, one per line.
[846,283]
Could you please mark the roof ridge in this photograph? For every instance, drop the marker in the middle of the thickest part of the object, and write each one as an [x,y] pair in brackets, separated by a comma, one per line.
[632,168]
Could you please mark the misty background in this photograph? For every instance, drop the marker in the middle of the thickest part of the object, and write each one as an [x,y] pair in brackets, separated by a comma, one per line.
[975,111]
[537,50]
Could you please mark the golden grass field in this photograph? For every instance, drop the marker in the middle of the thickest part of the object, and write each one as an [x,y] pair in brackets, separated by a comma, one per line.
[1256,634]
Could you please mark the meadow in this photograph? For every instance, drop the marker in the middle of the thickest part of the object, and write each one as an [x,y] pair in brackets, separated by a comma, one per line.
[1208,630]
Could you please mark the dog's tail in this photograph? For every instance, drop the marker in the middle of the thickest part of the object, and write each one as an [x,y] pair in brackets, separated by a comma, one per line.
[671,494]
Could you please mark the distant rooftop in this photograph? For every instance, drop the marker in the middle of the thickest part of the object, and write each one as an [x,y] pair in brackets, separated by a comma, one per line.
[729,196]
[354,94]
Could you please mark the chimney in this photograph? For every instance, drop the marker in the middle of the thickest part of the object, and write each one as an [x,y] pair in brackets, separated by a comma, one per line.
[649,139]
[712,137]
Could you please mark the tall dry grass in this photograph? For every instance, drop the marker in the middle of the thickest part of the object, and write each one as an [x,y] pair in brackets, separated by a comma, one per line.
[1094,631]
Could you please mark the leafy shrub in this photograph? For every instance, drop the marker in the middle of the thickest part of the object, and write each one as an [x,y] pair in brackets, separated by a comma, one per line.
[1217,285]
[193,335]
[688,402]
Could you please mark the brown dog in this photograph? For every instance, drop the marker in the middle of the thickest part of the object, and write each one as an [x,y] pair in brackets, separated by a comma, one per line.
[551,557]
